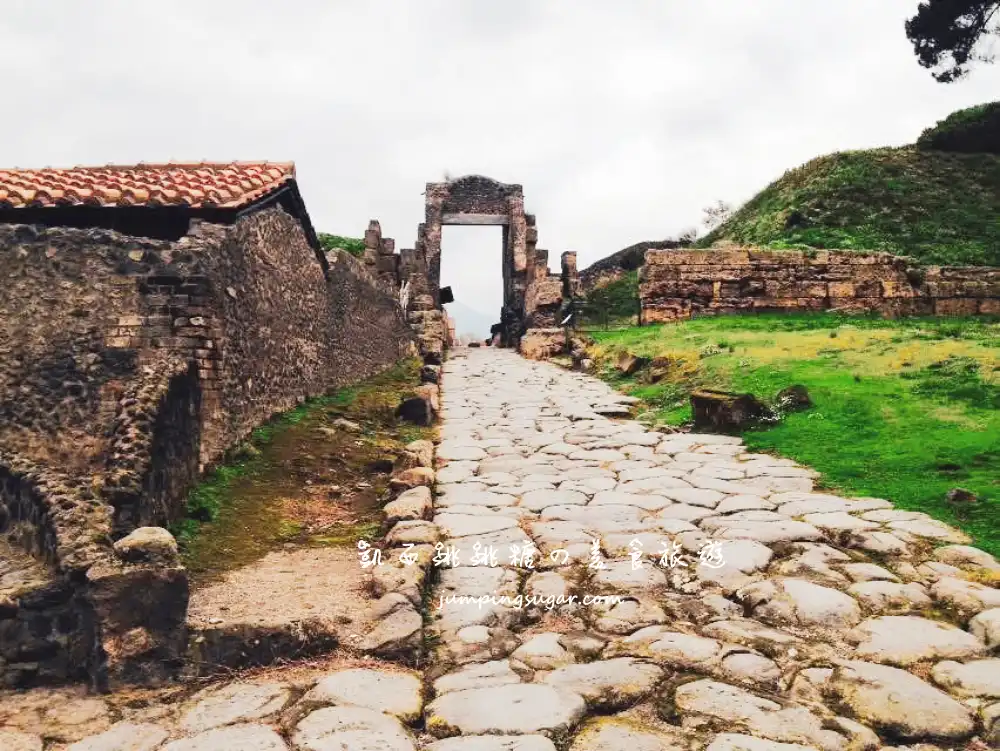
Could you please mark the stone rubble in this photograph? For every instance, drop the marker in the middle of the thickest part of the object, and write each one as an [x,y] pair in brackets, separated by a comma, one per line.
[830,624]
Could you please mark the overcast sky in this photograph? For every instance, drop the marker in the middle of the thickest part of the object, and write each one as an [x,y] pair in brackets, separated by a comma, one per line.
[621,119]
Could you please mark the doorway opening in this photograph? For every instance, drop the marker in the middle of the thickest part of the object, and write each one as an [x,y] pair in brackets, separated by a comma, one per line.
[472,265]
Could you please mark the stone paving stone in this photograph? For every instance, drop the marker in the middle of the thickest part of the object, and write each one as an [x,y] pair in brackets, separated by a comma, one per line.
[769,532]
[628,615]
[903,640]
[242,737]
[743,710]
[979,678]
[739,742]
[986,626]
[608,685]
[233,703]
[538,500]
[645,501]
[614,734]
[667,647]
[123,736]
[506,710]
[800,602]
[898,703]
[888,597]
[354,728]
[967,597]
[463,525]
[967,556]
[494,673]
[622,576]
[746,667]
[543,652]
[398,694]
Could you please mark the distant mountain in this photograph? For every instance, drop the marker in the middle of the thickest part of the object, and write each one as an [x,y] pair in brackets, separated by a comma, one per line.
[471,321]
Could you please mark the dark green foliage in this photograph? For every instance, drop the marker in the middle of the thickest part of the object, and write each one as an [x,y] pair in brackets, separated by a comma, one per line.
[947,34]
[615,301]
[353,245]
[937,207]
[972,130]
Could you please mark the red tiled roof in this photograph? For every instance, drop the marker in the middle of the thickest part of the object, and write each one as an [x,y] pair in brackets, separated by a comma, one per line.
[194,185]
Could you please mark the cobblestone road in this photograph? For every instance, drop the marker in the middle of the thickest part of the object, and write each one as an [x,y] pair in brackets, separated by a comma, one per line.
[604,587]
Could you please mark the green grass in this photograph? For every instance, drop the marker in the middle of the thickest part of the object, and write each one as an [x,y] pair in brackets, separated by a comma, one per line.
[261,496]
[903,410]
[938,207]
[614,302]
[353,245]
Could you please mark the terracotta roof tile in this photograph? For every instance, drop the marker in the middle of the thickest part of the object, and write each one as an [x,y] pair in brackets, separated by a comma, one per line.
[193,184]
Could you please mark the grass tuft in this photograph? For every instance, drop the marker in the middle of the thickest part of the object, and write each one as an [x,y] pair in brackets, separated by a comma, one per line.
[299,479]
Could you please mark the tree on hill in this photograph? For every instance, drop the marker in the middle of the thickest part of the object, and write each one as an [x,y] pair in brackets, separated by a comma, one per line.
[716,214]
[688,236]
[949,35]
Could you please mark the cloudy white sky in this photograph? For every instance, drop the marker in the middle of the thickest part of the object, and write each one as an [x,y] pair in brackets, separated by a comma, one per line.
[620,119]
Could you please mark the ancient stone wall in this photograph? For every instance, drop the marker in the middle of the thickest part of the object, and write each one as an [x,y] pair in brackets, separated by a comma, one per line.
[475,194]
[61,364]
[678,284]
[543,295]
[126,366]
[475,199]
[381,260]
[547,293]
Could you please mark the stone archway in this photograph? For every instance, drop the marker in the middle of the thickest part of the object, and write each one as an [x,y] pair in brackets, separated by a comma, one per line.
[532,297]
[478,200]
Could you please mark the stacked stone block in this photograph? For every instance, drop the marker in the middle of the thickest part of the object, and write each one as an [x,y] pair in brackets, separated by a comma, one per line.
[679,284]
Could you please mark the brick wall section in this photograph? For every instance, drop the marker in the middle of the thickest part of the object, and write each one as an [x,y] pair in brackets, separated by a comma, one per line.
[127,365]
[676,284]
[475,194]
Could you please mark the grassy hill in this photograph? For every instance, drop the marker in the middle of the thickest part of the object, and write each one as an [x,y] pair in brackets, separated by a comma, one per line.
[937,201]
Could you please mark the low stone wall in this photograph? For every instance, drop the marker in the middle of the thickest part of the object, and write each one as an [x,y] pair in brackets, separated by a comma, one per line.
[127,366]
[679,284]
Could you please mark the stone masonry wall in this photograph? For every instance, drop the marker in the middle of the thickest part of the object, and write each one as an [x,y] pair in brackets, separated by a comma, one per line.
[126,366]
[475,194]
[679,284]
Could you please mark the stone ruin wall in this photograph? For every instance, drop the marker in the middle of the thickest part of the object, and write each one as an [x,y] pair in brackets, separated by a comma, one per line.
[548,292]
[615,266]
[406,276]
[470,200]
[127,365]
[533,298]
[679,284]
